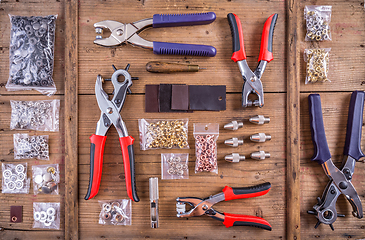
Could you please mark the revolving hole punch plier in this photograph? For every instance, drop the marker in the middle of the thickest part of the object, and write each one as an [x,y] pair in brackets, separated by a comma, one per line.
[252,80]
[128,33]
[110,116]
[204,206]
[340,178]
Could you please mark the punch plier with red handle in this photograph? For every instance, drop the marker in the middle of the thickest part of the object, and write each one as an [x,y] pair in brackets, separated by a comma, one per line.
[110,116]
[252,80]
[204,206]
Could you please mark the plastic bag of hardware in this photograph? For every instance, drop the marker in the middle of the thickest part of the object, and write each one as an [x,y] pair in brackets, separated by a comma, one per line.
[46,215]
[318,19]
[162,133]
[31,54]
[206,135]
[174,166]
[115,212]
[317,64]
[27,147]
[15,178]
[46,179]
[35,115]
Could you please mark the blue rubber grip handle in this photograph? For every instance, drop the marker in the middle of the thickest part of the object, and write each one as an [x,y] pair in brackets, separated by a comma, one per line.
[354,126]
[184,49]
[321,150]
[176,20]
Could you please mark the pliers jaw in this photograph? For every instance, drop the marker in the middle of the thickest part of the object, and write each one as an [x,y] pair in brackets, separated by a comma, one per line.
[116,37]
[193,202]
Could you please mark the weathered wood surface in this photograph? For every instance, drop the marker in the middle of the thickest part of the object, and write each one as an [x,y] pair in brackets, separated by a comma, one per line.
[25,229]
[293,121]
[250,172]
[314,180]
[71,121]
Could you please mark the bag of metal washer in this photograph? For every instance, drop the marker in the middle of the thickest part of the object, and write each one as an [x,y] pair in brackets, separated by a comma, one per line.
[31,54]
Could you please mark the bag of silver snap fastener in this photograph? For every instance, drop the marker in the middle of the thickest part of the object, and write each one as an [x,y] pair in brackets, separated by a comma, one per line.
[206,135]
[15,178]
[163,133]
[31,54]
[46,215]
[115,212]
[46,179]
[35,115]
[174,166]
[318,19]
[27,147]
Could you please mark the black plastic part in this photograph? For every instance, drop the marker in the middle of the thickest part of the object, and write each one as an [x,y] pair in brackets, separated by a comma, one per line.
[120,97]
[253,189]
[354,126]
[132,171]
[321,150]
[92,153]
[271,33]
[234,32]
[252,224]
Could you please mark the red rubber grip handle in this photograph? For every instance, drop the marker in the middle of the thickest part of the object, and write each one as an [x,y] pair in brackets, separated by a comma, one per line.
[237,38]
[267,38]
[126,144]
[96,164]
[245,220]
[246,192]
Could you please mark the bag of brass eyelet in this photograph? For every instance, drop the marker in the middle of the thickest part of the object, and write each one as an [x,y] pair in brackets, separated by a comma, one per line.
[40,115]
[317,60]
[27,147]
[14,178]
[31,54]
[206,135]
[46,179]
[115,212]
[163,133]
[318,19]
[174,166]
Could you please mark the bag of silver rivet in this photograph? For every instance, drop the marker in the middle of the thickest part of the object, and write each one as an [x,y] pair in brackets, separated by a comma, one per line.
[27,147]
[163,133]
[46,215]
[206,135]
[174,166]
[46,179]
[115,212]
[31,54]
[15,178]
[35,115]
[318,20]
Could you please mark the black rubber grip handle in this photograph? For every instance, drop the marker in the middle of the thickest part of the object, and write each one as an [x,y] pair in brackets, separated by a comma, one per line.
[354,126]
[321,150]
[238,47]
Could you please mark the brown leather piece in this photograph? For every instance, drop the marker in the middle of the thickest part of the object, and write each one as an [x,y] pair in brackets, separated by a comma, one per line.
[207,98]
[180,97]
[152,98]
[16,214]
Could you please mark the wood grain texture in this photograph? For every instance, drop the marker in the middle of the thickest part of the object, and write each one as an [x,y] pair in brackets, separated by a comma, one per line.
[71,120]
[148,164]
[293,121]
[314,180]
[56,143]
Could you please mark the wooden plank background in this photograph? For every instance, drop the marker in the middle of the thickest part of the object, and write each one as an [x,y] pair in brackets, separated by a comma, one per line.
[346,73]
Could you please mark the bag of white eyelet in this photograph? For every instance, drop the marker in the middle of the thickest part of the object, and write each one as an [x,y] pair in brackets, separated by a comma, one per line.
[46,215]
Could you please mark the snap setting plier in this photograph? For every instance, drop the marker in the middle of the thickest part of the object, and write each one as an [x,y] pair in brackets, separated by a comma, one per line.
[204,206]
[110,115]
[128,33]
[252,80]
[340,178]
